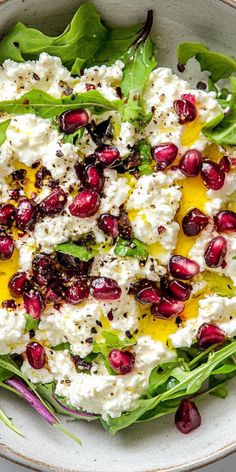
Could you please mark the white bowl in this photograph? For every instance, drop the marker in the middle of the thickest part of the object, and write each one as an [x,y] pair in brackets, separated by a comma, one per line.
[154,446]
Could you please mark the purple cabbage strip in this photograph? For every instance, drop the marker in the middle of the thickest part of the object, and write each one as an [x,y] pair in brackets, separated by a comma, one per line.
[75,412]
[32,399]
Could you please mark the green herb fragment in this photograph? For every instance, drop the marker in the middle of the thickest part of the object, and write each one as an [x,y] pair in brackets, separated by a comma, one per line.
[3,131]
[61,347]
[83,253]
[47,106]
[31,323]
[131,248]
[110,341]
[144,148]
[73,138]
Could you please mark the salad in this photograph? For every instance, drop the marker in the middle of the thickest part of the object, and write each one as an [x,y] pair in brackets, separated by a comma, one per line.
[118,224]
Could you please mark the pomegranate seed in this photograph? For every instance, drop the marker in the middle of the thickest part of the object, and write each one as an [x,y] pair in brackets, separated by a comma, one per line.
[191,162]
[212,174]
[146,291]
[42,177]
[78,266]
[18,175]
[179,290]
[181,67]
[79,169]
[183,268]
[187,417]
[7,215]
[77,292]
[93,178]
[72,120]
[189,96]
[6,247]
[186,110]
[85,204]
[33,303]
[25,214]
[215,252]
[14,194]
[36,355]
[18,284]
[225,220]
[122,362]
[164,154]
[54,203]
[90,87]
[167,308]
[124,224]
[225,164]
[107,155]
[54,293]
[9,304]
[109,224]
[42,266]
[103,288]
[194,222]
[209,334]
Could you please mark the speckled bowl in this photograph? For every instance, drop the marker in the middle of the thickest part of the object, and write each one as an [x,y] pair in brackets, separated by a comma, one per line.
[154,446]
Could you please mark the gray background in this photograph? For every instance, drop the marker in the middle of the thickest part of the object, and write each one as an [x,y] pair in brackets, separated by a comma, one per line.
[227,465]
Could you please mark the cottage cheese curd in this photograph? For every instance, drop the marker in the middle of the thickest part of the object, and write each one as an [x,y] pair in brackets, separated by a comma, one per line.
[155,205]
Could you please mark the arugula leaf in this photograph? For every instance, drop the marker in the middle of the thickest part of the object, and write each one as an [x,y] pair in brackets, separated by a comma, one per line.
[139,63]
[131,248]
[188,383]
[3,131]
[73,137]
[219,65]
[31,323]
[61,347]
[80,40]
[82,252]
[4,418]
[47,106]
[85,42]
[225,131]
[144,148]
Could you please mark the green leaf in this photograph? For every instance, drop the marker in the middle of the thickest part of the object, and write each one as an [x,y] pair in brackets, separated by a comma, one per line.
[232,83]
[47,106]
[83,253]
[144,148]
[139,63]
[189,382]
[117,43]
[131,248]
[81,39]
[61,347]
[110,341]
[73,138]
[3,131]
[4,418]
[219,65]
[31,323]
[225,131]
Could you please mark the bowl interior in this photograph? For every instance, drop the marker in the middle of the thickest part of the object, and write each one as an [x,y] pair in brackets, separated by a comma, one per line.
[154,446]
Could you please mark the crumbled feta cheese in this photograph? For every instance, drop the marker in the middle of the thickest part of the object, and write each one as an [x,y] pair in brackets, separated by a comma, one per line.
[12,337]
[152,205]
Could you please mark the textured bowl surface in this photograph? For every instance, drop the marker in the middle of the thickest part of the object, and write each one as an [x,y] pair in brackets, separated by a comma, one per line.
[154,446]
